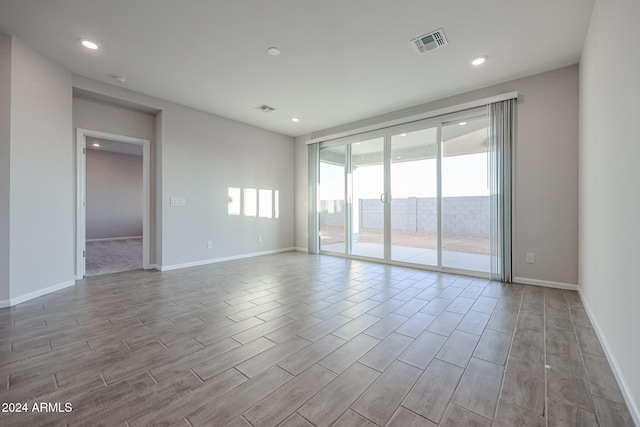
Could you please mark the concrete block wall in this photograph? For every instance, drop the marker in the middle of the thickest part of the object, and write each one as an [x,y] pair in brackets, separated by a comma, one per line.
[459,214]
[332,212]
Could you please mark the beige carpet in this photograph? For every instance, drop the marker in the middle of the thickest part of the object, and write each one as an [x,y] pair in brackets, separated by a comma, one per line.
[113,256]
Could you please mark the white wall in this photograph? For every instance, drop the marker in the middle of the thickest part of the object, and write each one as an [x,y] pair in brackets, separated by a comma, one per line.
[609,185]
[5,149]
[105,116]
[204,155]
[545,213]
[114,195]
[42,172]
[199,157]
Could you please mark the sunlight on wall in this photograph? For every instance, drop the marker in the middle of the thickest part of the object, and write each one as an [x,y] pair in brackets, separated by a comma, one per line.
[251,202]
[234,201]
[265,204]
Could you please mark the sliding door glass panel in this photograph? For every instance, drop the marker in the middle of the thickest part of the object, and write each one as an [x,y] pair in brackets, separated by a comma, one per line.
[366,188]
[414,188]
[465,195]
[331,196]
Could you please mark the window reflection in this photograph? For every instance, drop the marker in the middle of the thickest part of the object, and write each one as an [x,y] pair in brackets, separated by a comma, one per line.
[234,201]
[252,202]
[265,203]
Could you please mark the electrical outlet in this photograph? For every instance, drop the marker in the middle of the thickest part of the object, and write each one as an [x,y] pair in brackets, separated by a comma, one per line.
[209,244]
[531,257]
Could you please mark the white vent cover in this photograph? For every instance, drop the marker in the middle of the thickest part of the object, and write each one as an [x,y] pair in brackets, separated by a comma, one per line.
[429,41]
[265,108]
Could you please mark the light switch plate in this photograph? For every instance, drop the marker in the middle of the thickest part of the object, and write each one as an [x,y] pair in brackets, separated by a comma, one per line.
[177,201]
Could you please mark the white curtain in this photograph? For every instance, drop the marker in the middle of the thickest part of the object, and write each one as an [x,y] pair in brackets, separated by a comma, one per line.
[314,238]
[501,138]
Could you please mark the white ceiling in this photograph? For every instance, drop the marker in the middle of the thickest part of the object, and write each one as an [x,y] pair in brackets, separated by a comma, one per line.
[341,60]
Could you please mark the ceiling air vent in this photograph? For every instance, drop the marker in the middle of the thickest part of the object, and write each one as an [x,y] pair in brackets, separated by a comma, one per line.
[265,108]
[429,41]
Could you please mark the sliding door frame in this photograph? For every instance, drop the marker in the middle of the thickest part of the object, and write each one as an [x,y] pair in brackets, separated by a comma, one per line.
[386,134]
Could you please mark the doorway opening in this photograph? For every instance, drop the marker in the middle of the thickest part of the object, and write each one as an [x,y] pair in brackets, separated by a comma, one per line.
[113,208]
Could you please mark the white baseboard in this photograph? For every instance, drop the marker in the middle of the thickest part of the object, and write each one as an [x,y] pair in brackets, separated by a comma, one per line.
[154,267]
[545,283]
[35,294]
[301,249]
[615,367]
[107,239]
[216,260]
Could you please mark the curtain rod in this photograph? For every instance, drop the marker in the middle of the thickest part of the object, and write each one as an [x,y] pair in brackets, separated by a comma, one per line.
[416,117]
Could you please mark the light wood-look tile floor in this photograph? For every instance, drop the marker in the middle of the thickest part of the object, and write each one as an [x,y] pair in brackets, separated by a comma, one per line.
[301,340]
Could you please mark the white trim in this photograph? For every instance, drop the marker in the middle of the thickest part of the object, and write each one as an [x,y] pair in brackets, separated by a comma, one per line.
[223,259]
[40,292]
[107,239]
[545,283]
[416,117]
[615,367]
[81,135]
[81,227]
[301,249]
[154,267]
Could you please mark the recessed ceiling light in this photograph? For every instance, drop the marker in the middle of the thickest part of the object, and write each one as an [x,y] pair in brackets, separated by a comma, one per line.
[403,134]
[273,51]
[95,144]
[462,123]
[89,44]
[479,60]
[295,119]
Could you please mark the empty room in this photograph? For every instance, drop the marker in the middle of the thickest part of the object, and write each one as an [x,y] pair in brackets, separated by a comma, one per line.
[305,213]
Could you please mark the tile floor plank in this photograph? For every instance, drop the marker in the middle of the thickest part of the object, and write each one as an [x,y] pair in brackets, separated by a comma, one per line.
[458,348]
[433,391]
[265,360]
[381,400]
[348,354]
[457,416]
[405,418]
[277,406]
[524,385]
[308,356]
[422,351]
[480,375]
[329,404]
[386,351]
[306,340]
[233,403]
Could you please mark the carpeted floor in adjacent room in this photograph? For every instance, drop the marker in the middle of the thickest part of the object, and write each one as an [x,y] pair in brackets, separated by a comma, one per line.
[113,256]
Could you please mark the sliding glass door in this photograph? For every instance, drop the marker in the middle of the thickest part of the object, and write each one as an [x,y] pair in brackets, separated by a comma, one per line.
[415,194]
[365,184]
[331,197]
[414,190]
[466,204]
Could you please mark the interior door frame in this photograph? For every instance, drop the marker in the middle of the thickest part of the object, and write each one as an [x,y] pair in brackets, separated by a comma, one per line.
[81,187]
